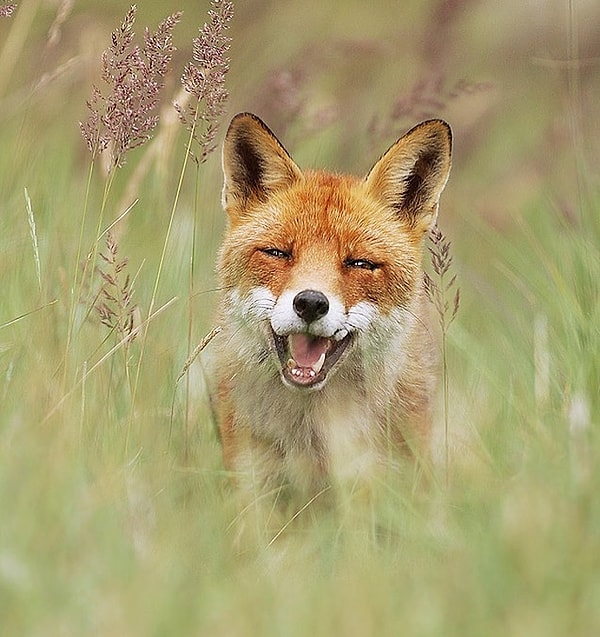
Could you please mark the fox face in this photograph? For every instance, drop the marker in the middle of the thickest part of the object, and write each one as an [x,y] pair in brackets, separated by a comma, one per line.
[321,271]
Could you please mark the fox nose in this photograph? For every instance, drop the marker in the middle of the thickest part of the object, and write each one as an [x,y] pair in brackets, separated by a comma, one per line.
[310,305]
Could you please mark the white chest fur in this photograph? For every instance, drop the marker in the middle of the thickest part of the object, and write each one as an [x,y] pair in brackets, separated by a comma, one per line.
[335,444]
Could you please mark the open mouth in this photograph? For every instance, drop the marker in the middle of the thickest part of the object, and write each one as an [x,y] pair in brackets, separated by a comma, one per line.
[305,359]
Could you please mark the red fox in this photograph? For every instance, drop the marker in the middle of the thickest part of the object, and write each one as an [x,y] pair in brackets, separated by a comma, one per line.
[325,366]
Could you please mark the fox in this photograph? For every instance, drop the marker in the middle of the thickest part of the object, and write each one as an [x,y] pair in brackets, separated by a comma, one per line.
[324,369]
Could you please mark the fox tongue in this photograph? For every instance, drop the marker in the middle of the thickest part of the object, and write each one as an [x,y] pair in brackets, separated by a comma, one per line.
[308,351]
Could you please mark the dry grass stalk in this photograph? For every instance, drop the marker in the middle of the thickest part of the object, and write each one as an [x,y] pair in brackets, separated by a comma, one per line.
[194,355]
[438,292]
[34,239]
[62,13]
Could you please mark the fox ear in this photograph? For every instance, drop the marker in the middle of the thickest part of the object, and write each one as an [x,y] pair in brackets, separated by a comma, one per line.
[411,175]
[254,163]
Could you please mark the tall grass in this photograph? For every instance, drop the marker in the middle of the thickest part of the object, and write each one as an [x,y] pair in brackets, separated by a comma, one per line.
[116,511]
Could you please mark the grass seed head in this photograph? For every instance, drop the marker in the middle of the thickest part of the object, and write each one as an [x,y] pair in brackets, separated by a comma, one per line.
[437,290]
[115,307]
[7,9]
[204,78]
[126,116]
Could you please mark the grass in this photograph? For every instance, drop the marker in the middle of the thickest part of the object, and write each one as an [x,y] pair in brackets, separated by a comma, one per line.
[115,508]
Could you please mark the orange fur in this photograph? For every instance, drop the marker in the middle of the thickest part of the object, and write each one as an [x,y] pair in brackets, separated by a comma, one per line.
[325,362]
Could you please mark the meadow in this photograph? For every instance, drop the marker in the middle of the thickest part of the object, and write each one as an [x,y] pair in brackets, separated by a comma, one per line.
[116,514]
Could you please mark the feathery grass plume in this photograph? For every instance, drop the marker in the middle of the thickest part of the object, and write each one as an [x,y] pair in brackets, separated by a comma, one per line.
[204,79]
[126,117]
[7,9]
[438,293]
[115,307]
[123,117]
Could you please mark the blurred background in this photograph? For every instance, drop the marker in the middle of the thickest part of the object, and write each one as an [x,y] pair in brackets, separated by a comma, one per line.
[111,490]
[339,82]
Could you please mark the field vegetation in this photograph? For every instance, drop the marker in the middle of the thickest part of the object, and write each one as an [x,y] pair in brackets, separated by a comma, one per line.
[116,514]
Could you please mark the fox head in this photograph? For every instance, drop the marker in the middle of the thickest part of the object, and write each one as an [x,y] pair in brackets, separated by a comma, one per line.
[316,265]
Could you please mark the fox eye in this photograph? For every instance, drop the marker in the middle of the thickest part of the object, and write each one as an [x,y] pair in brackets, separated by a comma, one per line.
[363,264]
[276,252]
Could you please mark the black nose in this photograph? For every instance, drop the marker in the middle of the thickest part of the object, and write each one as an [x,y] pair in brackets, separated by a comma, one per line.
[310,305]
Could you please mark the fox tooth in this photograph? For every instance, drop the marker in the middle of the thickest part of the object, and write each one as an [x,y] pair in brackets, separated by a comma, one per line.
[292,363]
[318,366]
